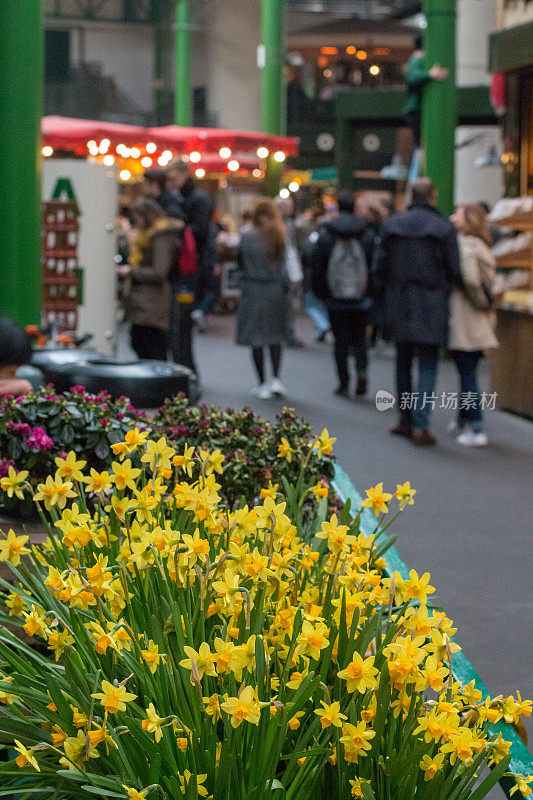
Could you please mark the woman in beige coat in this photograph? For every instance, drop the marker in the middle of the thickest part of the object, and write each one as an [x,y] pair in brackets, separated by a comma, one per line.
[472,319]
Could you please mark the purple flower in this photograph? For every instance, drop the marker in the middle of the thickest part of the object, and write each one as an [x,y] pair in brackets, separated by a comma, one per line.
[104,422]
[257,431]
[120,415]
[4,468]
[225,431]
[19,427]
[205,423]
[63,454]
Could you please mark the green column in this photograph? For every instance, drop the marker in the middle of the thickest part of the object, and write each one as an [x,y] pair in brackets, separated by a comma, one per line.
[183,106]
[21,84]
[272,92]
[439,114]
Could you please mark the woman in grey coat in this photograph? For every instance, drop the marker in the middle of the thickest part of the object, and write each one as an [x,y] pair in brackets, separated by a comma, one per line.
[263,318]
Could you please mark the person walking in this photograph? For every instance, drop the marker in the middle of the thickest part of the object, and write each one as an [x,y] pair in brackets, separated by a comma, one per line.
[154,256]
[197,210]
[264,307]
[416,263]
[340,262]
[293,263]
[472,320]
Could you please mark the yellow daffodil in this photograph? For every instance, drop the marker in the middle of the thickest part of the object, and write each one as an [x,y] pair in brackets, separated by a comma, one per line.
[13,482]
[405,494]
[113,698]
[69,467]
[285,450]
[158,454]
[25,756]
[330,714]
[185,462]
[132,440]
[12,548]
[124,475]
[360,674]
[203,659]
[185,782]
[377,500]
[152,723]
[244,707]
[430,766]
[98,481]
[134,794]
[522,785]
[324,443]
[356,740]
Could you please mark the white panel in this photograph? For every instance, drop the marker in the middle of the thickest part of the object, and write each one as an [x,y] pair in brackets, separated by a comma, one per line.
[96,190]
[474,184]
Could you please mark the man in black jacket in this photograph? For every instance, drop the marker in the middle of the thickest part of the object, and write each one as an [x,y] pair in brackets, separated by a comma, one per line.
[348,317]
[416,262]
[197,210]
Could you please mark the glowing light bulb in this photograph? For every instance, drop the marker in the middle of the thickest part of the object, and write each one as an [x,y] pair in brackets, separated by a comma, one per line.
[361,55]
[351,50]
[279,156]
[151,147]
[167,154]
[135,152]
[104,146]
[224,152]
[109,160]
[262,152]
[124,174]
[233,165]
[146,162]
[294,186]
[257,173]
[374,69]
[195,156]
[284,193]
[47,151]
[200,173]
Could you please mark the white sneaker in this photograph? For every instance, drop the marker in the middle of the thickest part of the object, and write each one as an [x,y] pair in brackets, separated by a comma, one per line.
[263,391]
[277,388]
[198,317]
[472,439]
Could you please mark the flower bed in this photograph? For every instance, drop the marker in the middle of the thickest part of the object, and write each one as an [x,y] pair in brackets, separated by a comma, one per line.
[196,651]
[39,428]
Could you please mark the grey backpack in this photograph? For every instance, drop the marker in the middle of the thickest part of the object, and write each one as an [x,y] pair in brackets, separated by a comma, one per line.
[347,270]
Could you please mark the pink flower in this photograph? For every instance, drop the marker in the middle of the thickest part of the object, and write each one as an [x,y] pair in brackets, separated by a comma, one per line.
[50,397]
[4,468]
[104,422]
[120,415]
[77,389]
[39,440]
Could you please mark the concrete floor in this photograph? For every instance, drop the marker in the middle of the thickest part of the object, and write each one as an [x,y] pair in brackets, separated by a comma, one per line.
[470,525]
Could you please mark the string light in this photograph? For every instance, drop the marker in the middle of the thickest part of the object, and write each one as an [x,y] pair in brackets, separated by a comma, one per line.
[329,51]
[257,173]
[195,156]
[92,147]
[47,151]
[109,160]
[233,165]
[374,69]
[162,161]
[151,147]
[146,162]
[294,186]
[279,156]
[224,152]
[200,173]
[135,152]
[284,193]
[124,174]
[351,50]
[167,154]
[104,146]
[361,55]
[262,152]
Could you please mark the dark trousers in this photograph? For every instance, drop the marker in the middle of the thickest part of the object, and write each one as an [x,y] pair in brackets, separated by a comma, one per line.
[149,342]
[414,120]
[181,330]
[349,330]
[469,406]
[416,408]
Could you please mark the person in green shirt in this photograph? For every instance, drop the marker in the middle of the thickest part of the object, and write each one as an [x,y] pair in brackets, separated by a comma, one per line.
[417,77]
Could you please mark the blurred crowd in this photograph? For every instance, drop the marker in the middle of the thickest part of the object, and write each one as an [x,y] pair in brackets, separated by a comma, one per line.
[360,270]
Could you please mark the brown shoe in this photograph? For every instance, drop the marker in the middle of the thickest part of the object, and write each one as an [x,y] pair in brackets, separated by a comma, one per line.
[423,438]
[401,430]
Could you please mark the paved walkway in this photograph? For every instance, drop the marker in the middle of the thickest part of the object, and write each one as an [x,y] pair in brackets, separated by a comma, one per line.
[470,526]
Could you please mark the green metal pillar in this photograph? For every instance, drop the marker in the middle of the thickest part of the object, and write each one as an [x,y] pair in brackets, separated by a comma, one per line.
[272,93]
[183,105]
[21,85]
[439,114]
